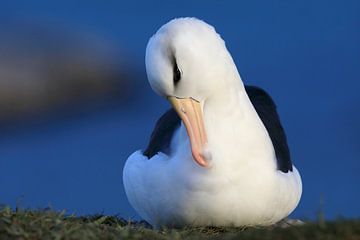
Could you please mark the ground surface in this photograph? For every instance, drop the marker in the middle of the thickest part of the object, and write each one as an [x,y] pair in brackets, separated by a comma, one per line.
[47,224]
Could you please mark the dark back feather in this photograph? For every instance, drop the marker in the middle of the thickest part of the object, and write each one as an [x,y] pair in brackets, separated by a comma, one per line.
[266,109]
[162,134]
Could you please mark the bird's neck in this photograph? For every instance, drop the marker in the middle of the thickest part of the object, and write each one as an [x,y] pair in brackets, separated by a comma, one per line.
[236,134]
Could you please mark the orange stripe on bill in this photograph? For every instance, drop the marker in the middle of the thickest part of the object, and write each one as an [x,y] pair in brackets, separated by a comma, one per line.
[190,112]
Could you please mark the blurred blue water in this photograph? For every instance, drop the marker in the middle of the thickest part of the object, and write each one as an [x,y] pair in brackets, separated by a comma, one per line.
[305,53]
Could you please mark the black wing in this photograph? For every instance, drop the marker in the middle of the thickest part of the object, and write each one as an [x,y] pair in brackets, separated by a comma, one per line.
[266,109]
[161,136]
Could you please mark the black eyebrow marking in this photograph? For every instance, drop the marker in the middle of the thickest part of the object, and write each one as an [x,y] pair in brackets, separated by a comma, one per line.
[176,71]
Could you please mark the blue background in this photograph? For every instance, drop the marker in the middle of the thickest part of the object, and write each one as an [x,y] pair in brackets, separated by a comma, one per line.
[306,54]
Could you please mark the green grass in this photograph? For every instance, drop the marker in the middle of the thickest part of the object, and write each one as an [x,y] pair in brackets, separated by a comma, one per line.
[48,224]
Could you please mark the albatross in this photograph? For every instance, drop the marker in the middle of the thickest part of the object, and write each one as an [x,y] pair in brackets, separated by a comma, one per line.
[219,156]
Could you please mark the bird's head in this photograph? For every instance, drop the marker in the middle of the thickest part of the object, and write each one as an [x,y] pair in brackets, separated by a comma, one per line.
[186,61]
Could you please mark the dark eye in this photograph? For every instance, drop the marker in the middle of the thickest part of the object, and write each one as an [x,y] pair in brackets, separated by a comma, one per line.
[177,74]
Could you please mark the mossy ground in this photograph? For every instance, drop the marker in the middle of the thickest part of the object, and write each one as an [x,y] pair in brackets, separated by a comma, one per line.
[48,224]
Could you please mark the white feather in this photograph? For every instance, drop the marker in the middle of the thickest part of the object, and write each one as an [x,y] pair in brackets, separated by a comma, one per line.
[243,186]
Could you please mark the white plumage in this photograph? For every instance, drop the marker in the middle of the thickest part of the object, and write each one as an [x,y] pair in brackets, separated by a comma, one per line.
[241,185]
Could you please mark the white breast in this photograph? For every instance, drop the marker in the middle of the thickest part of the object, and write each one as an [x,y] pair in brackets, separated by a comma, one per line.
[241,188]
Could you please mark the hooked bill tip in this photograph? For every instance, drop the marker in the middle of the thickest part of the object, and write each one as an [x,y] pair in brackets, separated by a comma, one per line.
[203,158]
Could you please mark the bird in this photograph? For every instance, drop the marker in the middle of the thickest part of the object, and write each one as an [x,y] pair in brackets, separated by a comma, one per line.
[219,156]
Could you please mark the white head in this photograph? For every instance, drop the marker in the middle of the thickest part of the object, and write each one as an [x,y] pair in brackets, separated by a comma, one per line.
[187,58]
[187,62]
